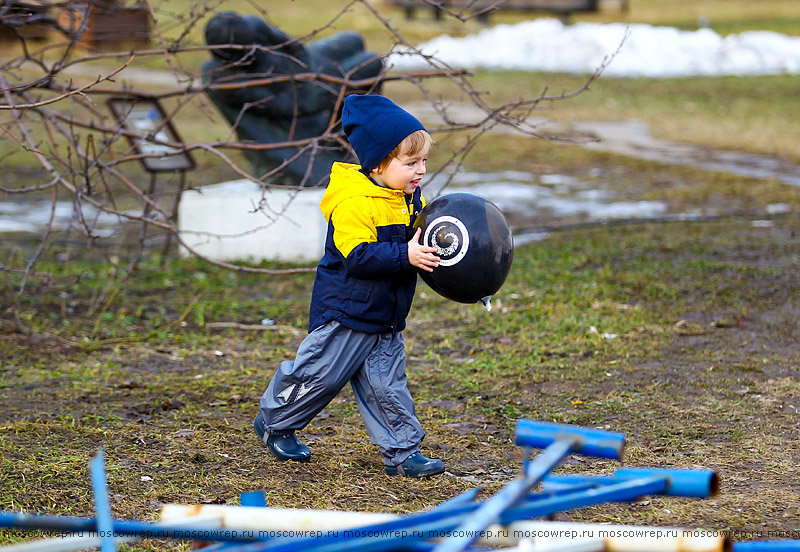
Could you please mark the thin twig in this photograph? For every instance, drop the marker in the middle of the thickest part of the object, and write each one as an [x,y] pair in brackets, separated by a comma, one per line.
[250,327]
[37,254]
[94,345]
[71,92]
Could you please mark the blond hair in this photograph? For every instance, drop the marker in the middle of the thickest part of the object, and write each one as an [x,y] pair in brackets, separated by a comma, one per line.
[411,145]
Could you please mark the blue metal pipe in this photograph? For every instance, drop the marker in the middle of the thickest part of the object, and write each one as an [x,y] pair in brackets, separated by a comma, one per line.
[467,497]
[592,442]
[257,499]
[561,483]
[102,505]
[692,483]
[552,490]
[767,546]
[617,492]
[686,483]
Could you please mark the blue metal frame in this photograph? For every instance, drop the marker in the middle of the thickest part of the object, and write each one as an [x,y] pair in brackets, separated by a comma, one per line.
[558,441]
[105,523]
[461,520]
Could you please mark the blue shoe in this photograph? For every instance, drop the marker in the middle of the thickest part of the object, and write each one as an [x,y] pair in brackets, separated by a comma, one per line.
[416,465]
[284,445]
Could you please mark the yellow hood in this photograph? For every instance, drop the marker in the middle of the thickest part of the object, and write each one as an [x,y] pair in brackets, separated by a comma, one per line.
[347,182]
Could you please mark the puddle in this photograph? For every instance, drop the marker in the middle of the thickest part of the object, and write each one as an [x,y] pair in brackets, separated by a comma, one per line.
[530,202]
[33,216]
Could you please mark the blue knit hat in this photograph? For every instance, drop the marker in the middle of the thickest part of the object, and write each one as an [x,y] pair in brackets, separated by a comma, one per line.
[375,125]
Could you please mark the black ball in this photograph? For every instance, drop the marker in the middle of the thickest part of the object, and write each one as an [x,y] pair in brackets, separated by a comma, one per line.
[474,242]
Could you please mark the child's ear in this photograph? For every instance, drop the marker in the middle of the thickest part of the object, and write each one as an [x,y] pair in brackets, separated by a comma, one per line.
[376,171]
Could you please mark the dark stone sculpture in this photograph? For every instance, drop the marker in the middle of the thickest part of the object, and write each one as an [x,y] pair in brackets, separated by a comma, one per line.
[284,111]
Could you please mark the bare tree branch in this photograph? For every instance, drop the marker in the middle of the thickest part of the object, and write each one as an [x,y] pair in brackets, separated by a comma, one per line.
[54,121]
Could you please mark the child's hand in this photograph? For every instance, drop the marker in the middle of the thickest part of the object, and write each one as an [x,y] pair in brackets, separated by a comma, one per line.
[420,255]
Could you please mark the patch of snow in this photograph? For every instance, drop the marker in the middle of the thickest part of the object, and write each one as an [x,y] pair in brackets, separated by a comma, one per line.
[549,45]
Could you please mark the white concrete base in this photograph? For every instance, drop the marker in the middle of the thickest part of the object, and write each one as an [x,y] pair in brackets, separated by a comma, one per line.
[224,222]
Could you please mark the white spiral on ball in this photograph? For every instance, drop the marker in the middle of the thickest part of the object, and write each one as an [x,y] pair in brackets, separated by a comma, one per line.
[450,249]
[453,246]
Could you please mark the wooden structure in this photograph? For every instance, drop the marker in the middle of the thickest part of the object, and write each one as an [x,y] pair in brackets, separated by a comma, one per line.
[109,24]
[24,19]
[563,8]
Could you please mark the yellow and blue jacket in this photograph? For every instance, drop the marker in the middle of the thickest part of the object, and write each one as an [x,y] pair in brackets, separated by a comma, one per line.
[364,280]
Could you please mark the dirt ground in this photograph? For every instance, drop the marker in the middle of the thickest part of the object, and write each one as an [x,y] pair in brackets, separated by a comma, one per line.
[706,378]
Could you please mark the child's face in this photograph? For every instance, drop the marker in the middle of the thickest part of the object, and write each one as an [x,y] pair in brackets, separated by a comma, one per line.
[404,171]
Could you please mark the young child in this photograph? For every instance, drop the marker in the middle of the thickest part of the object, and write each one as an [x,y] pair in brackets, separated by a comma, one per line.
[362,295]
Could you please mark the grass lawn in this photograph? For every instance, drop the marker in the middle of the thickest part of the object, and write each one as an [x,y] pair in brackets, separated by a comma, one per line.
[681,336]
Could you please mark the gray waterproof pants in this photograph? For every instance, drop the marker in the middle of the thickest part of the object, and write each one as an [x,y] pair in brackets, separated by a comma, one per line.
[327,359]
